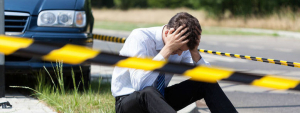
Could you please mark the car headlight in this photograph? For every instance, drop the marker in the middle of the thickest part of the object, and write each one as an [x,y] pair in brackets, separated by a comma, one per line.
[62,18]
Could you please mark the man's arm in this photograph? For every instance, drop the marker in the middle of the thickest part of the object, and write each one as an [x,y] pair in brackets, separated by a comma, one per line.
[194,52]
[195,56]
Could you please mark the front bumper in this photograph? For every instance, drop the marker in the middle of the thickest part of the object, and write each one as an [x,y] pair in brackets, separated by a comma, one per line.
[29,67]
[74,38]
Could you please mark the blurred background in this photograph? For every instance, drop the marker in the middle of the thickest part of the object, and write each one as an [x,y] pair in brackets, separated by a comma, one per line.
[266,14]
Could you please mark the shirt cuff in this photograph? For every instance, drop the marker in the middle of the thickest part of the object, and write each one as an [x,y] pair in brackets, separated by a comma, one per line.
[159,57]
[202,62]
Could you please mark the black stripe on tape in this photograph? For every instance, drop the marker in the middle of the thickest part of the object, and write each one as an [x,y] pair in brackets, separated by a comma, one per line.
[264,59]
[242,56]
[276,60]
[175,68]
[232,55]
[106,59]
[38,48]
[291,65]
[113,39]
[253,58]
[246,78]
[296,88]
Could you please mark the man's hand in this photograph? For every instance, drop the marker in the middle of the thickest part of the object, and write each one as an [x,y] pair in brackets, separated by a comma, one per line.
[194,52]
[174,41]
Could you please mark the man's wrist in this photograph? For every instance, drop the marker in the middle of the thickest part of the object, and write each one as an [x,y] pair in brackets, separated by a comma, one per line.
[195,55]
[165,52]
[194,51]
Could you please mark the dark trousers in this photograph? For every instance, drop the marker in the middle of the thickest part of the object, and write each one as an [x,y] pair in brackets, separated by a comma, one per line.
[178,96]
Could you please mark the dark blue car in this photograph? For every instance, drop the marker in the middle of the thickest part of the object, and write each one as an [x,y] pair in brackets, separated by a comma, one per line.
[58,21]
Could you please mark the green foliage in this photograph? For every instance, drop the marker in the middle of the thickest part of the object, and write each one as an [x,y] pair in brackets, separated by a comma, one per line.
[118,3]
[126,4]
[157,3]
[138,3]
[167,3]
[194,4]
[247,7]
[102,3]
[177,3]
[213,7]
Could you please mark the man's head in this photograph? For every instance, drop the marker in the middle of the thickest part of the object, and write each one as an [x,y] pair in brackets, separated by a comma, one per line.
[191,23]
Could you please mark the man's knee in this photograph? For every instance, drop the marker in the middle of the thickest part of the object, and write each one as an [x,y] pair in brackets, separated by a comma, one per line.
[149,91]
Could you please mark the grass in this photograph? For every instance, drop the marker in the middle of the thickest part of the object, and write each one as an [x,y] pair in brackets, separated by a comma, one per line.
[129,26]
[96,98]
[282,20]
[123,26]
[93,101]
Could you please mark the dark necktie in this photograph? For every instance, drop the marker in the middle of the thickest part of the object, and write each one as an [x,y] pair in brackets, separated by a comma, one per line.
[161,83]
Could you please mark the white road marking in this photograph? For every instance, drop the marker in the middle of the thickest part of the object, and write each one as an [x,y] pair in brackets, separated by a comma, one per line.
[266,71]
[283,50]
[216,58]
[293,73]
[211,43]
[256,47]
[232,45]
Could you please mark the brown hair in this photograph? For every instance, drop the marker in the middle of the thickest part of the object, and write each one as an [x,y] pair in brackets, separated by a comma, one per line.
[191,23]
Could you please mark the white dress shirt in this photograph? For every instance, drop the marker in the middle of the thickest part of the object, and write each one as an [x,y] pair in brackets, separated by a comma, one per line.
[144,42]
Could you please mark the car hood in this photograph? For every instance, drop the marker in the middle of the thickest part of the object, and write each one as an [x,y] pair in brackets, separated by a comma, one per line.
[35,6]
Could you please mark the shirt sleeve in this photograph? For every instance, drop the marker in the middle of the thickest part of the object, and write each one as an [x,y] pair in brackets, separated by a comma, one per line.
[159,57]
[140,48]
[202,62]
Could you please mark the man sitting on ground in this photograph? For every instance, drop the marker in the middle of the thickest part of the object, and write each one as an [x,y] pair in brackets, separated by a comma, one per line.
[139,91]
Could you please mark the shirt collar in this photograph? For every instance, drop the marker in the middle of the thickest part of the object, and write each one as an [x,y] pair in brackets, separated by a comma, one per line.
[158,38]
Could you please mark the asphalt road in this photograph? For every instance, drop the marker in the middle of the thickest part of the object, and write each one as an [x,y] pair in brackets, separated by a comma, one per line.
[247,99]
